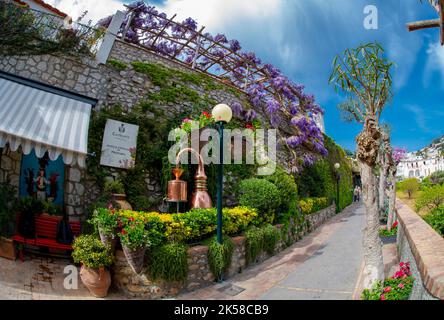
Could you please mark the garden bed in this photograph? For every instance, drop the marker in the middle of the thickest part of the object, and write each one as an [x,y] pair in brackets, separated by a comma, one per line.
[199,274]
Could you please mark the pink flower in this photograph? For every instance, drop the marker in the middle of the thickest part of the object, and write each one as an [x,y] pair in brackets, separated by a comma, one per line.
[382,297]
[387,289]
[395,224]
[401,285]
[186,120]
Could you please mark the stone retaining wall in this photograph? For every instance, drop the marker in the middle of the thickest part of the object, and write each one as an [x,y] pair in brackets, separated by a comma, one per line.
[423,247]
[10,165]
[199,274]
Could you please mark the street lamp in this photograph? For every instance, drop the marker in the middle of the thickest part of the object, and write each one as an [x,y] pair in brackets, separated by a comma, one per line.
[222,114]
[338,177]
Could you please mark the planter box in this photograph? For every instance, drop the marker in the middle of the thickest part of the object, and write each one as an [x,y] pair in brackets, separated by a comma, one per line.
[7,248]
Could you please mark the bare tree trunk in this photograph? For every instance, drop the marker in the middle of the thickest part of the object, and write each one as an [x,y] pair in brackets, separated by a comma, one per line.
[392,198]
[373,264]
[382,181]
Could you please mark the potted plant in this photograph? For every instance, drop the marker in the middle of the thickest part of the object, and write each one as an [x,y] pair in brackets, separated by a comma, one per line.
[51,209]
[134,239]
[117,191]
[106,221]
[28,207]
[94,257]
[7,216]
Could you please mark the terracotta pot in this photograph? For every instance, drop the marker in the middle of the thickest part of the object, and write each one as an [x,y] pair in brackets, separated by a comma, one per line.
[110,240]
[7,248]
[97,281]
[121,201]
[135,258]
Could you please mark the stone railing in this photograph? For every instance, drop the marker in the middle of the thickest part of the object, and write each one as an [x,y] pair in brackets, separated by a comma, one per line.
[199,274]
[423,247]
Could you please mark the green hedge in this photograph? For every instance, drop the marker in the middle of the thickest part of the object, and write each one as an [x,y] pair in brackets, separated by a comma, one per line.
[319,179]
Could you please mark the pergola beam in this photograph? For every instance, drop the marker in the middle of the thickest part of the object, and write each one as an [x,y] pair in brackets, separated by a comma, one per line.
[426,24]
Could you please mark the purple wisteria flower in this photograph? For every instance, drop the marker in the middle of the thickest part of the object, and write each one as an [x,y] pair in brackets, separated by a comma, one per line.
[237,109]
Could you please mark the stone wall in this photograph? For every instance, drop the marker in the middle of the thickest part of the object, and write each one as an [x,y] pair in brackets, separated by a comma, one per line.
[423,247]
[199,274]
[10,165]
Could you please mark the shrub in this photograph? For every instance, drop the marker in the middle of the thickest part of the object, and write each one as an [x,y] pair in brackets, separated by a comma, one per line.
[106,220]
[140,203]
[115,186]
[393,231]
[431,198]
[91,252]
[436,219]
[133,234]
[220,256]
[254,243]
[261,195]
[51,208]
[271,237]
[168,262]
[409,186]
[437,178]
[288,190]
[312,205]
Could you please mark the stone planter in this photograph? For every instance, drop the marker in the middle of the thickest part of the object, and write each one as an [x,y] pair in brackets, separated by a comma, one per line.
[97,281]
[135,258]
[7,248]
[110,240]
[120,199]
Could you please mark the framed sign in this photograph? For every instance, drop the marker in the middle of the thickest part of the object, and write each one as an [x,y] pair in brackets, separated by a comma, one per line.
[119,145]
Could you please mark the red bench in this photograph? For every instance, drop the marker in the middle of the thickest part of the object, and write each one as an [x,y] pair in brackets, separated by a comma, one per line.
[46,233]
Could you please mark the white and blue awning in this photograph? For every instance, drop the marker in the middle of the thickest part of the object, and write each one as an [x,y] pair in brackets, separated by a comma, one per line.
[43,120]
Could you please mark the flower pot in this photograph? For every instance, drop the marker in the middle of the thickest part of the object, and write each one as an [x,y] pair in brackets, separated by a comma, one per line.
[106,239]
[7,248]
[97,281]
[120,199]
[135,258]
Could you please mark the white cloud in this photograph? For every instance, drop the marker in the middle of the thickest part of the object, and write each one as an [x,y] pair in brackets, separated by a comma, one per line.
[435,63]
[97,9]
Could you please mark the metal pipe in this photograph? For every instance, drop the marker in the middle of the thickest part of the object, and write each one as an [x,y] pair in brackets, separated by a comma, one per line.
[220,173]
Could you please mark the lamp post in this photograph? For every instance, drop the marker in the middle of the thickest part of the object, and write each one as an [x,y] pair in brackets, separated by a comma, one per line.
[222,114]
[338,177]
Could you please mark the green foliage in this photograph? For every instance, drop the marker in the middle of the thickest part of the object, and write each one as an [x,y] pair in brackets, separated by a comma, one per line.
[220,256]
[430,198]
[319,180]
[30,205]
[288,190]
[141,203]
[254,243]
[261,195]
[104,201]
[271,237]
[437,178]
[114,186]
[105,220]
[390,289]
[134,235]
[51,208]
[386,233]
[168,262]
[409,186]
[8,203]
[436,219]
[117,64]
[91,252]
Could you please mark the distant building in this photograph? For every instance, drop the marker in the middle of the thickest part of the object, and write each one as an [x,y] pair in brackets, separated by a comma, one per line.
[423,163]
[40,5]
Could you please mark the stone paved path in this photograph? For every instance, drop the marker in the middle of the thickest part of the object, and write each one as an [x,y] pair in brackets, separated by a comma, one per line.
[324,265]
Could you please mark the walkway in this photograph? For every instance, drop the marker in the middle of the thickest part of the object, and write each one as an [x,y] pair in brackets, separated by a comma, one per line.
[324,265]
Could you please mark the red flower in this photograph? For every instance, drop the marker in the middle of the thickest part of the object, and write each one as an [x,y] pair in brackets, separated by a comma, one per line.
[395,224]
[131,219]
[401,286]
[123,232]
[250,126]
[387,289]
[206,114]
[382,297]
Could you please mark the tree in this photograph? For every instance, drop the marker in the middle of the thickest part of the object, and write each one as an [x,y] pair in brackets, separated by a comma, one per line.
[431,198]
[363,75]
[409,186]
[396,157]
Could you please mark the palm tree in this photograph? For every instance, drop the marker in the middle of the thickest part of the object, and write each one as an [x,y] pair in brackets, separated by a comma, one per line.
[363,76]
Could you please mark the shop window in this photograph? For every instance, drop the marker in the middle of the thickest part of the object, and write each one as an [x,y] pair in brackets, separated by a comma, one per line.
[42,178]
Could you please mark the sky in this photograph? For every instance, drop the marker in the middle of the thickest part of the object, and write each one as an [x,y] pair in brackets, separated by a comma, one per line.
[302,37]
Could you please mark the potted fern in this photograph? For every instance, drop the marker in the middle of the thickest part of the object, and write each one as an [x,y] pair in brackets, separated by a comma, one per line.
[94,258]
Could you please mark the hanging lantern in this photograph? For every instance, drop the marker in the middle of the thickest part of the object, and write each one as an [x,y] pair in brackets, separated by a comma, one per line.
[177,189]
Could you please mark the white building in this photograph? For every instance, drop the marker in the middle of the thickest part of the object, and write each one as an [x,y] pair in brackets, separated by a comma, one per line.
[422,164]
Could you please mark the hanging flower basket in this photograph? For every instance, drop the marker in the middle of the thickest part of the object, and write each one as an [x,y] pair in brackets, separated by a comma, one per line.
[108,239]
[135,257]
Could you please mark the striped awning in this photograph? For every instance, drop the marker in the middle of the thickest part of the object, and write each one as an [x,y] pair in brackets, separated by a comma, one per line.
[44,121]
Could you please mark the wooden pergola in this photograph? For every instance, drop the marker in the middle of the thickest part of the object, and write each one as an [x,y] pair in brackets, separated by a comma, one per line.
[434,23]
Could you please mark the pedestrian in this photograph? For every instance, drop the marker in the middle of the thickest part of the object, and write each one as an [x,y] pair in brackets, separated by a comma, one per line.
[359,193]
[355,194]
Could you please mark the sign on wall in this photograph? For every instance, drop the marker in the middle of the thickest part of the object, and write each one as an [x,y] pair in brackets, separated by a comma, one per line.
[119,145]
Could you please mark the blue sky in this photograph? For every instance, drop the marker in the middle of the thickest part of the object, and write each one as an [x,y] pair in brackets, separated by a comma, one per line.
[301,37]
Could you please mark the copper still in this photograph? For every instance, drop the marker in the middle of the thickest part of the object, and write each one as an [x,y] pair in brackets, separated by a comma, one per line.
[177,189]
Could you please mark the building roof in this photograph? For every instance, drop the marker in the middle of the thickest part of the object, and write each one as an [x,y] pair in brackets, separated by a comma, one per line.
[45,5]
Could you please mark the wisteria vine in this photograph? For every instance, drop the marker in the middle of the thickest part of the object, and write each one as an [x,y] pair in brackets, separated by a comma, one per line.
[279,101]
